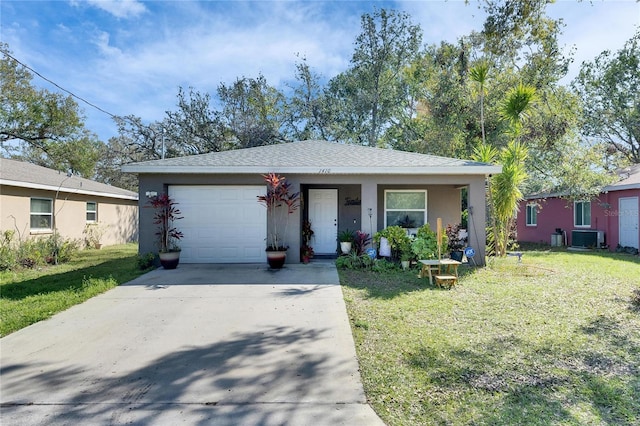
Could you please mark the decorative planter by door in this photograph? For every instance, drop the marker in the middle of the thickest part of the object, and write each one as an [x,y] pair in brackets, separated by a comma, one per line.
[169,259]
[276,259]
[345,247]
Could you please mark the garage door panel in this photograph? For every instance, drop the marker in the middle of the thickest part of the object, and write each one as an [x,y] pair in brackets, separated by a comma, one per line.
[222,224]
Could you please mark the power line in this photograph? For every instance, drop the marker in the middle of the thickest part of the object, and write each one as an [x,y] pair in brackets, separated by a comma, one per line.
[58,86]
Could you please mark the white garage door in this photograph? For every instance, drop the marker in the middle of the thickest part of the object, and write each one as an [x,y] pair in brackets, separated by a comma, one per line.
[222,224]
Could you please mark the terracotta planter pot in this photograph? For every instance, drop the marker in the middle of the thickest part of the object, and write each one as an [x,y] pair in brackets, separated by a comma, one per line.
[276,259]
[170,259]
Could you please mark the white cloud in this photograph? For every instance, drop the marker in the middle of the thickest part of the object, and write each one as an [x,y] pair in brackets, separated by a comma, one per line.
[211,50]
[138,70]
[119,8]
[444,20]
[134,66]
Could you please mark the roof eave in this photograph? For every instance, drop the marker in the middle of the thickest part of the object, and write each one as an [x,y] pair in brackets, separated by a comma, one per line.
[621,187]
[66,189]
[317,170]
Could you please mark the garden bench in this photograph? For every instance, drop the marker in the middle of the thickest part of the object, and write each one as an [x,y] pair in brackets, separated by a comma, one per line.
[446,280]
[442,268]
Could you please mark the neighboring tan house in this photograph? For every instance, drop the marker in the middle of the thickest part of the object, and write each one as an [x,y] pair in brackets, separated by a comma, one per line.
[33,199]
[343,187]
[609,220]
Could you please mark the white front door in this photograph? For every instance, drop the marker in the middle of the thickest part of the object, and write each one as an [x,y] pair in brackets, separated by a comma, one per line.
[323,215]
[628,221]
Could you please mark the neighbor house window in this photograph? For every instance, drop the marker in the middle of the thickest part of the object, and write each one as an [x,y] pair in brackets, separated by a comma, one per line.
[92,211]
[582,213]
[405,208]
[41,214]
[532,214]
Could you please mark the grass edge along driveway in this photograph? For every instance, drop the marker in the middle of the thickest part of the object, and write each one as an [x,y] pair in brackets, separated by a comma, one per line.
[554,340]
[32,295]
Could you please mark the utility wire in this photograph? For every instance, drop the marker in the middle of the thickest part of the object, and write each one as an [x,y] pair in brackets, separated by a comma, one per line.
[58,86]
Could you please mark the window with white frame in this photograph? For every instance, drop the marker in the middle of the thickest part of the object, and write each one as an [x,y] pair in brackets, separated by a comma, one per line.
[92,211]
[582,214]
[405,207]
[41,214]
[532,214]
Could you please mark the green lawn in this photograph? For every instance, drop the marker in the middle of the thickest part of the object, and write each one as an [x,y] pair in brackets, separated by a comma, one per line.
[554,340]
[32,295]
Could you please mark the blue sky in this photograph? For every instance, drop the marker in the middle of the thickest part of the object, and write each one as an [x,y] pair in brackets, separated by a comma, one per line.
[130,57]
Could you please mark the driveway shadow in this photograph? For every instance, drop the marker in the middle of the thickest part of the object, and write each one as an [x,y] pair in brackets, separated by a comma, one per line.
[241,380]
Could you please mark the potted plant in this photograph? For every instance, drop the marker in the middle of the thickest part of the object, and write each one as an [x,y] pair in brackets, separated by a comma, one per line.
[280,203]
[346,241]
[396,237]
[406,254]
[166,213]
[93,233]
[306,251]
[456,241]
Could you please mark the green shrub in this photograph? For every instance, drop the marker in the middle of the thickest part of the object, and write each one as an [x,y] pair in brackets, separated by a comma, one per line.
[425,245]
[353,261]
[146,261]
[397,238]
[57,249]
[30,253]
[383,265]
[35,251]
[8,259]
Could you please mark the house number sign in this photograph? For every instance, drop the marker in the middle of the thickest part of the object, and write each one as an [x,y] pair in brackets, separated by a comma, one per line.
[324,171]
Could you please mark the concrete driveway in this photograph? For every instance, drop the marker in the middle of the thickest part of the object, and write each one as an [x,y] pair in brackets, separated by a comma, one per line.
[203,344]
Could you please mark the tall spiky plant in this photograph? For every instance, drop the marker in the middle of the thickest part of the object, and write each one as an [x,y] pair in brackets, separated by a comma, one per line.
[479,74]
[506,192]
[515,107]
[280,202]
[506,186]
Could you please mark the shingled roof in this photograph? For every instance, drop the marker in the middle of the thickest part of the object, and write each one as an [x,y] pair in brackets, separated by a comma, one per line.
[28,175]
[313,157]
[629,179]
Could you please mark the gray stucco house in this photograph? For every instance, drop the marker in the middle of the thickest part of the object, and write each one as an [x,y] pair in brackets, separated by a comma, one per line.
[343,187]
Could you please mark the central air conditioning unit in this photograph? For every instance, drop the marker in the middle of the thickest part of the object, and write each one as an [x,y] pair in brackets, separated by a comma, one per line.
[587,238]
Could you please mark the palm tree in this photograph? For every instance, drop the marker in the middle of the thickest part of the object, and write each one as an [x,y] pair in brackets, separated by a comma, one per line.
[479,74]
[516,106]
[503,189]
[506,191]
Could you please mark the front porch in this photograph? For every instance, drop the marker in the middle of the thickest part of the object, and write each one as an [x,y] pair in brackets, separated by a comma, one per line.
[333,207]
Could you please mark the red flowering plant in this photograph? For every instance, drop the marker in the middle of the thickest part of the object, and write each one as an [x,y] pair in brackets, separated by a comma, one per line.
[166,213]
[280,202]
[360,242]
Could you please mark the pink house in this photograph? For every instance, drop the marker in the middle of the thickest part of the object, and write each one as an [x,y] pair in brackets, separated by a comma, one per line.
[607,221]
